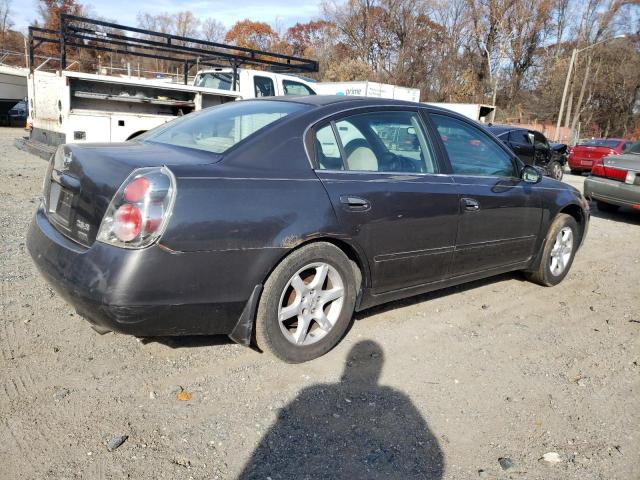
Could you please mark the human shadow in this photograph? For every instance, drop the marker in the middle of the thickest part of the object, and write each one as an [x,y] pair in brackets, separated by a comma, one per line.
[349,430]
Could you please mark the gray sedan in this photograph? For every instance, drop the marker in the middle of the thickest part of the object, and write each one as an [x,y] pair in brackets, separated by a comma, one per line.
[615,181]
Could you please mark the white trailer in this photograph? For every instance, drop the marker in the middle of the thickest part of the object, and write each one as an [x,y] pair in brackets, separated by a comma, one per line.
[368,89]
[475,111]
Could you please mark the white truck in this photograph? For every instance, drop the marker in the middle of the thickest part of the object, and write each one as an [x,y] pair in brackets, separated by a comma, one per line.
[72,107]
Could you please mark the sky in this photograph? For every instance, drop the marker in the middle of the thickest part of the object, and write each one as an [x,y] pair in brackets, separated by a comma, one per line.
[275,12]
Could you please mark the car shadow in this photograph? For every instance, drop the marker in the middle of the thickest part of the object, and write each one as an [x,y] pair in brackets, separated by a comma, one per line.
[624,215]
[197,341]
[355,428]
[425,297]
[189,341]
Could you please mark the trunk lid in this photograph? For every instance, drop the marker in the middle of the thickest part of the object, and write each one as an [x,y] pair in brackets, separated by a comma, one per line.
[586,152]
[83,178]
[623,168]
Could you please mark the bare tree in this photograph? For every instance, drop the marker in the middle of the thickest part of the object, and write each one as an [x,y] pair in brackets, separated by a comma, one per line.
[212,30]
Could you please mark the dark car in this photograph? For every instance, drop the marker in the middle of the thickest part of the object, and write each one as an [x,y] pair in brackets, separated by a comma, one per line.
[533,148]
[275,219]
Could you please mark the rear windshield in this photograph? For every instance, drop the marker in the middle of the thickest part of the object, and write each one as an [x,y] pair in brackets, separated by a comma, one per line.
[219,128]
[601,142]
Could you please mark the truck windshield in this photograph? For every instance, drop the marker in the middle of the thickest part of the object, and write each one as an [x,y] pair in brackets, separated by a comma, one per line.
[219,80]
[218,129]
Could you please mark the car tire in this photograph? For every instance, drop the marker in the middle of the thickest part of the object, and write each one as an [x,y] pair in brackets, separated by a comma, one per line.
[555,170]
[575,172]
[293,322]
[559,249]
[606,207]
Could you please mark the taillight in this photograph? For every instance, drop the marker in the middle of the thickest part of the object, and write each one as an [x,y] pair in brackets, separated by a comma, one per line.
[613,173]
[597,170]
[140,209]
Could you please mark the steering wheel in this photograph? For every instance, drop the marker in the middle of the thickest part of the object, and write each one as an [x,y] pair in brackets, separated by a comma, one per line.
[396,163]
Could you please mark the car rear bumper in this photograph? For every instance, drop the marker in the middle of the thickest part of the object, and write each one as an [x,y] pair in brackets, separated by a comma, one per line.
[146,292]
[580,164]
[612,191]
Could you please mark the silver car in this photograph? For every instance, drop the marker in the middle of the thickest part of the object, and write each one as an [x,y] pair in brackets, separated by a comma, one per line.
[615,181]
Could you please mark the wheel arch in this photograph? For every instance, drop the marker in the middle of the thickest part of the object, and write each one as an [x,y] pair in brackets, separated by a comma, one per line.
[572,209]
[353,252]
[577,213]
[244,331]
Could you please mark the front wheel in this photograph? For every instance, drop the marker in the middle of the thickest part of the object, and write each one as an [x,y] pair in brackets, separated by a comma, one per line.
[307,303]
[555,171]
[559,250]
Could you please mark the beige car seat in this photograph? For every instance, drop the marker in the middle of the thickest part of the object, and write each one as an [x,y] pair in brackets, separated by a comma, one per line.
[362,158]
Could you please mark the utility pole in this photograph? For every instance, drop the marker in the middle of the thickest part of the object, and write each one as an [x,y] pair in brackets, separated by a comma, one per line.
[556,137]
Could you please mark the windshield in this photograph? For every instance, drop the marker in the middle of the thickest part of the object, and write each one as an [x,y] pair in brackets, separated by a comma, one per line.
[601,142]
[218,129]
[219,80]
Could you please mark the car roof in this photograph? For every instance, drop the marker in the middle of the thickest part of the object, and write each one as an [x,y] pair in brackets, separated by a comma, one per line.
[499,129]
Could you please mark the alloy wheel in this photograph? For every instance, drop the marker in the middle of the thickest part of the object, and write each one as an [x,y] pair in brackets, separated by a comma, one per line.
[310,303]
[561,251]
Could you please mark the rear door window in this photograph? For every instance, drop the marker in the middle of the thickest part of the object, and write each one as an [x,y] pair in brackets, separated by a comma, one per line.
[327,149]
[392,141]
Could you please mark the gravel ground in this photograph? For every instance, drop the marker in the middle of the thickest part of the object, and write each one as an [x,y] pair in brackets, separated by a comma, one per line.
[479,381]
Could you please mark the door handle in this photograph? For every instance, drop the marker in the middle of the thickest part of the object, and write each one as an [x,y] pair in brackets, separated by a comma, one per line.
[470,204]
[351,202]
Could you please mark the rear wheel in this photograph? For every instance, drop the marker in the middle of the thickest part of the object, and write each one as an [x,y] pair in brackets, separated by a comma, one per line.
[606,207]
[555,170]
[559,250]
[307,303]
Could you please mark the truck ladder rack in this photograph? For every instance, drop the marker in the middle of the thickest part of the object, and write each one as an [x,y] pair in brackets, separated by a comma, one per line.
[85,33]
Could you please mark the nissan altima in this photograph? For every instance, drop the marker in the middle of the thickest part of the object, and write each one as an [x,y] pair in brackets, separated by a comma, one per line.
[273,220]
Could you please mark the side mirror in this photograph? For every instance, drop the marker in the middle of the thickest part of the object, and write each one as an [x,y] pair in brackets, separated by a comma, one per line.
[531,174]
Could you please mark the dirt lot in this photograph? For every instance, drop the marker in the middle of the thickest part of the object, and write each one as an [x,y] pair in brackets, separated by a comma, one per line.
[440,387]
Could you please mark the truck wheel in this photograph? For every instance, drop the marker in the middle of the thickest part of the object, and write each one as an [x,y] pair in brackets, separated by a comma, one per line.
[606,207]
[555,170]
[559,250]
[307,303]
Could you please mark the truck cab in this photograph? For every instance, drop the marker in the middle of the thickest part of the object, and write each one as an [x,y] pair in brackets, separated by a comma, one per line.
[253,83]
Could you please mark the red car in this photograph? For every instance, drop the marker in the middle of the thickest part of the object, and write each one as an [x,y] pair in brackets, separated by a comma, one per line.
[582,156]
